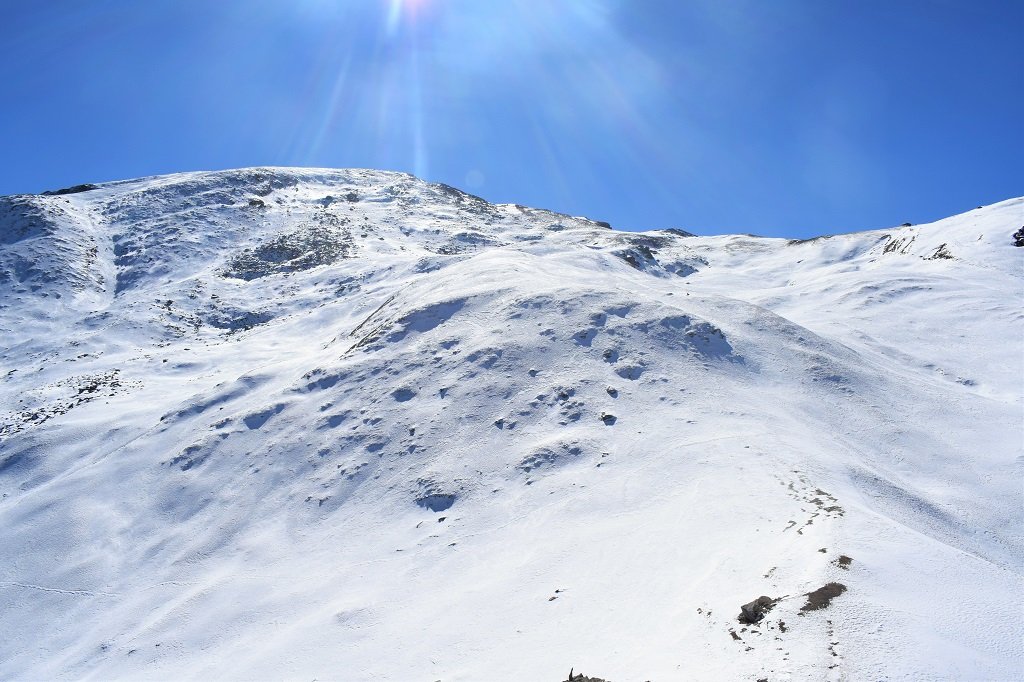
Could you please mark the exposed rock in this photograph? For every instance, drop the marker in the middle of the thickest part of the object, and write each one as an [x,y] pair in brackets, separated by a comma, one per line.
[753,612]
[76,189]
[310,246]
[580,677]
[941,253]
[843,562]
[823,596]
[679,233]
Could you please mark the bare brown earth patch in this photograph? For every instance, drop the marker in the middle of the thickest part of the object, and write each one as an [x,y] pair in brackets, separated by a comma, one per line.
[823,596]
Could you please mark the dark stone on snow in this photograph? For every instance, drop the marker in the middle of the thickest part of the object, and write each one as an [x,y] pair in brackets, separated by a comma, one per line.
[753,612]
[679,233]
[941,253]
[580,677]
[70,190]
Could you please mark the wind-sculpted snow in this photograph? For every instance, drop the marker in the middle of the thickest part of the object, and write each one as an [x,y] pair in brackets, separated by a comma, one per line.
[301,423]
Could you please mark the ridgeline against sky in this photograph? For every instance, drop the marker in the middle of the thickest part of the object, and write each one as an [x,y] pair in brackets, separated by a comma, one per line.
[784,118]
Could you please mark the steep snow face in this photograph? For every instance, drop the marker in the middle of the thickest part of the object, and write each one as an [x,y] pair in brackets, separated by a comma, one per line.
[279,423]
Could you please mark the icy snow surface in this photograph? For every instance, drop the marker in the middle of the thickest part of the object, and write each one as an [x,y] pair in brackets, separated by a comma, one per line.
[298,424]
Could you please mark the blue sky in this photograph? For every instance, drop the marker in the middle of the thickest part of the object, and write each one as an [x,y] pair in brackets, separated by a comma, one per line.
[773,117]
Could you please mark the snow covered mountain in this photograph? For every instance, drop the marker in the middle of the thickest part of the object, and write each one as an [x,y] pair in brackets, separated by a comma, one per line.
[297,424]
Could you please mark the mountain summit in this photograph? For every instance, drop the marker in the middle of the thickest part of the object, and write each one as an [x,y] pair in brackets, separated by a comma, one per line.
[347,424]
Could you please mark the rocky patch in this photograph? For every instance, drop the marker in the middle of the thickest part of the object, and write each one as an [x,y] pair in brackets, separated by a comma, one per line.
[822,597]
[74,189]
[310,246]
[61,397]
[941,253]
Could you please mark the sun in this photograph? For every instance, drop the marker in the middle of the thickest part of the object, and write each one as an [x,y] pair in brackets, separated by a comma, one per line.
[407,10]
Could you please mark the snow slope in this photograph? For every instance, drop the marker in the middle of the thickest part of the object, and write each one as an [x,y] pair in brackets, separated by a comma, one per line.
[298,424]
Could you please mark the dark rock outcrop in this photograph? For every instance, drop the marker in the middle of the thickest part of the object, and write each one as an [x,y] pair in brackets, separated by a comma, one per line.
[754,612]
[580,677]
[76,189]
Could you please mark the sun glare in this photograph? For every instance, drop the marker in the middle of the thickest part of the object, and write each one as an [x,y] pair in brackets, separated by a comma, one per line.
[403,9]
